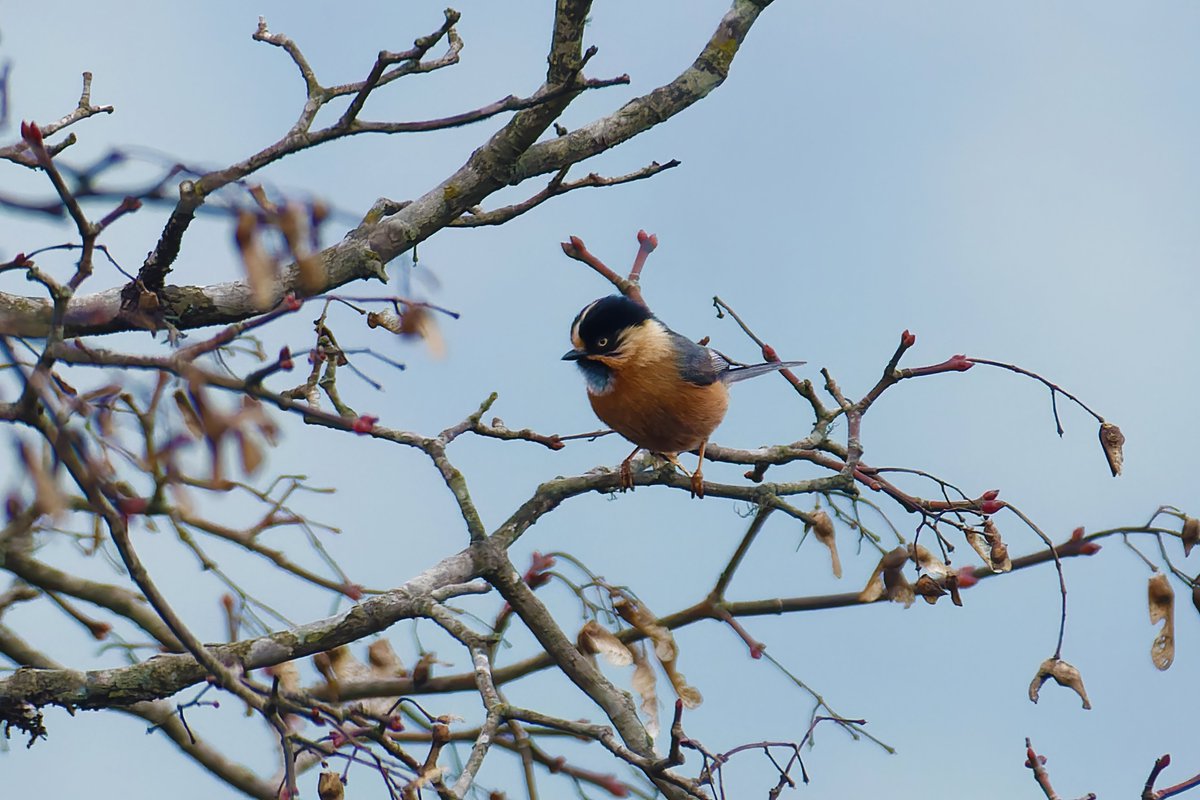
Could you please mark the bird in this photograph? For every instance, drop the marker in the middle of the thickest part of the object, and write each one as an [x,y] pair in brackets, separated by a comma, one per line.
[658,389]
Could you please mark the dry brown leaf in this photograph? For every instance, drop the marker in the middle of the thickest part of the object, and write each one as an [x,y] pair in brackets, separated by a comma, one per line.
[899,590]
[288,674]
[191,419]
[595,639]
[1063,674]
[929,589]
[249,451]
[261,269]
[424,667]
[213,423]
[415,322]
[665,648]
[874,588]
[821,525]
[386,319]
[644,620]
[892,562]
[253,411]
[1162,609]
[1113,442]
[418,321]
[689,694]
[895,584]
[951,584]
[929,563]
[990,547]
[294,223]
[346,666]
[384,661]
[48,499]
[979,545]
[324,665]
[644,683]
[1190,534]
[329,786]
[998,558]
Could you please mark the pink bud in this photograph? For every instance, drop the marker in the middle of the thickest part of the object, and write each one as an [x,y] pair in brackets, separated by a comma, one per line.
[613,786]
[32,134]
[967,578]
[959,363]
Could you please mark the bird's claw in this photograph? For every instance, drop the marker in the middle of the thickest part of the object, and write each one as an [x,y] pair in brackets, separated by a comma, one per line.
[697,477]
[625,475]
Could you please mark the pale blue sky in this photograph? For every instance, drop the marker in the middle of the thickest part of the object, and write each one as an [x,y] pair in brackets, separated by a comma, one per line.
[1016,181]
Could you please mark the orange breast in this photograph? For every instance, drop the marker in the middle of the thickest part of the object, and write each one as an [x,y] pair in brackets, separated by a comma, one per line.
[659,411]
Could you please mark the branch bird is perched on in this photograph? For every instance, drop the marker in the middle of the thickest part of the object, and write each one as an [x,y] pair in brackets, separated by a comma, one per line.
[659,390]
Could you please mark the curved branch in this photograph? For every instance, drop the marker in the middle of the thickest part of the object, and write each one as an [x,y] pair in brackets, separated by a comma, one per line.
[165,675]
[508,157]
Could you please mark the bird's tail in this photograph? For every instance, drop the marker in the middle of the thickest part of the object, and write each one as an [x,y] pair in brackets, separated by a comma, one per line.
[735,374]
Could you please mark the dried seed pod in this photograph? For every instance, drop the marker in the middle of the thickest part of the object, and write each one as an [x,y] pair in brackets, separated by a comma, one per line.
[891,564]
[384,661]
[262,272]
[595,639]
[329,786]
[1190,534]
[1113,442]
[928,588]
[1162,609]
[645,684]
[821,525]
[1063,674]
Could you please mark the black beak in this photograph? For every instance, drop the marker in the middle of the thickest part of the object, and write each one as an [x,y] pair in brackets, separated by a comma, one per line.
[574,355]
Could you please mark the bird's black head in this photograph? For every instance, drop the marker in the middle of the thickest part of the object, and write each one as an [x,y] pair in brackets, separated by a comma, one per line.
[603,326]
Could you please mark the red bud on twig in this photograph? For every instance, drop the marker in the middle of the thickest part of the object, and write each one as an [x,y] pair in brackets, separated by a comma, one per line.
[32,134]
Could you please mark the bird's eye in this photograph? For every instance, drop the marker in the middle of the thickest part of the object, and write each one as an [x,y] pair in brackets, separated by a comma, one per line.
[602,342]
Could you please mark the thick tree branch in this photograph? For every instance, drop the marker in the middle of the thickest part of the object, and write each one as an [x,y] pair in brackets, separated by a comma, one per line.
[508,157]
[163,676]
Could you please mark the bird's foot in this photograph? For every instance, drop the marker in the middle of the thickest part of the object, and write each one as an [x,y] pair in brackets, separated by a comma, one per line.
[697,477]
[625,475]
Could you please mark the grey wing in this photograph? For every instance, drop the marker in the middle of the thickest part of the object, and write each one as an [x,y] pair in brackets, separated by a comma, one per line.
[697,364]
